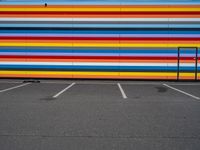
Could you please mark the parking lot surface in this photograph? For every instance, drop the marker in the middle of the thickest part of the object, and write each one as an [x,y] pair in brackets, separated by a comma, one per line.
[99,115]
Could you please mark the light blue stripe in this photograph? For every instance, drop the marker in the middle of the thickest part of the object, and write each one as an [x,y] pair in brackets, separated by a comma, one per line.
[76,31]
[100,2]
[139,51]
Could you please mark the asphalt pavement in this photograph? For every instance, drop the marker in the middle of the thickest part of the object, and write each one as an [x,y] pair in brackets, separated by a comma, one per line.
[99,115]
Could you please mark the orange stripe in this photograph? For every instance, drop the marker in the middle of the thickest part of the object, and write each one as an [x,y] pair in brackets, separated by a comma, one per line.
[95,76]
[142,77]
[187,77]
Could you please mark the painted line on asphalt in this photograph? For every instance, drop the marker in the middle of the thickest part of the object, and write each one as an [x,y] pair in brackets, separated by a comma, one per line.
[62,91]
[122,91]
[183,92]
[14,87]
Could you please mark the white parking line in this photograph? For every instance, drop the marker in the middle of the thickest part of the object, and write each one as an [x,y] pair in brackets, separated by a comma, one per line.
[65,89]
[1,91]
[195,97]
[122,91]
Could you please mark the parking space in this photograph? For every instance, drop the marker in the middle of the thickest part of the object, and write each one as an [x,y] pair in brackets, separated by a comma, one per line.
[92,93]
[155,93]
[99,115]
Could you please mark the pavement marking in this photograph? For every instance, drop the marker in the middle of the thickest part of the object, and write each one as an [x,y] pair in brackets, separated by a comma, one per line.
[195,97]
[62,91]
[122,91]
[15,87]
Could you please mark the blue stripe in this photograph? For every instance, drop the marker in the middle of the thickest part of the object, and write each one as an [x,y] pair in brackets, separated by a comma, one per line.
[92,51]
[122,68]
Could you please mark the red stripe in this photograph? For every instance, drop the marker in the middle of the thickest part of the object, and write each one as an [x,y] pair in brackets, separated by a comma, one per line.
[98,38]
[98,13]
[99,57]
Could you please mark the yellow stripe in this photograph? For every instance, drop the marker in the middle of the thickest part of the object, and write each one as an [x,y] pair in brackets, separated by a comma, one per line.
[102,44]
[2,72]
[154,74]
[87,9]
[58,73]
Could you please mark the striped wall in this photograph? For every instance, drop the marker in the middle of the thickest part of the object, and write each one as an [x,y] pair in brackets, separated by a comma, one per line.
[99,41]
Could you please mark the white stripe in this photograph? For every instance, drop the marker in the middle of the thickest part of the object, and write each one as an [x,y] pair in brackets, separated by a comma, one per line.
[182,64]
[195,97]
[65,89]
[120,64]
[96,64]
[122,91]
[101,19]
[14,87]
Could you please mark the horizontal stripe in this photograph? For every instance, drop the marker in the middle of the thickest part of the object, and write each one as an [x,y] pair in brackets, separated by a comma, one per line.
[103,19]
[100,13]
[73,42]
[103,9]
[99,22]
[103,29]
[96,64]
[92,60]
[76,31]
[4,54]
[150,52]
[96,73]
[100,38]
[98,68]
[100,16]
[100,3]
[128,26]
[190,57]
[101,44]
[99,35]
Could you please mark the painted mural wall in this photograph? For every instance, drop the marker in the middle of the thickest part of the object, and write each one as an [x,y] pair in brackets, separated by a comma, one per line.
[100,41]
